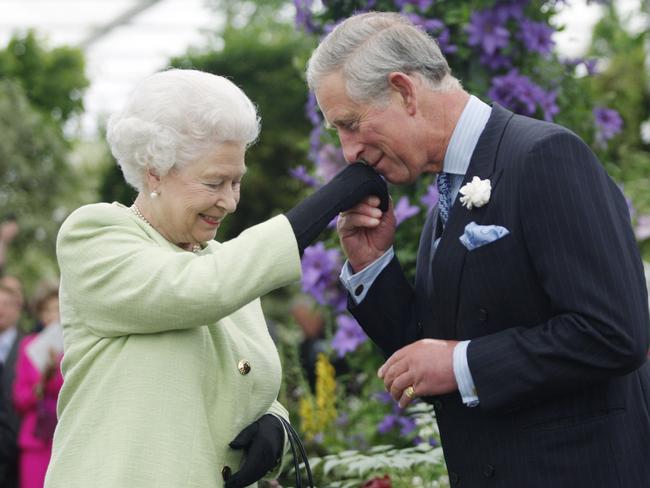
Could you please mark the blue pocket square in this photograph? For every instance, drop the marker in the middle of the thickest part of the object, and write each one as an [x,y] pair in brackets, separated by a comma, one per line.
[479,235]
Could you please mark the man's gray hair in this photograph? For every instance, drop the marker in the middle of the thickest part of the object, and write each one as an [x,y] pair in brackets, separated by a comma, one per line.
[173,117]
[366,48]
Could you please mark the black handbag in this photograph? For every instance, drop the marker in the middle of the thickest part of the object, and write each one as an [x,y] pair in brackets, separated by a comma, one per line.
[299,454]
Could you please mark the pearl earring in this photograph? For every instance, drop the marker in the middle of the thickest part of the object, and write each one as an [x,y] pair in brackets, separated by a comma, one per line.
[154,195]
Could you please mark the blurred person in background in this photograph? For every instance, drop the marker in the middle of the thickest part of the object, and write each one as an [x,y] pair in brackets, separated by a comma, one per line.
[171,376]
[8,451]
[45,305]
[10,337]
[36,388]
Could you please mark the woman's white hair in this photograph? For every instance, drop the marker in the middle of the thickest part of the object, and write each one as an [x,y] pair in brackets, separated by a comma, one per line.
[173,117]
[366,48]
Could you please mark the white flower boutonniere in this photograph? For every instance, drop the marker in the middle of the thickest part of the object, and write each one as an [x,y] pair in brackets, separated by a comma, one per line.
[476,193]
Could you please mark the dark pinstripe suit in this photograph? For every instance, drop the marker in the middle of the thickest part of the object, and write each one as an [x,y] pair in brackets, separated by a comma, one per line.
[556,311]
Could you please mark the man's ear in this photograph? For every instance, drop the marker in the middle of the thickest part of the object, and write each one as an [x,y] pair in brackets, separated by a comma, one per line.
[404,86]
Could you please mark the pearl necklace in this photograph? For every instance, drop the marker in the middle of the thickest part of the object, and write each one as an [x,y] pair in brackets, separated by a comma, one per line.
[196,248]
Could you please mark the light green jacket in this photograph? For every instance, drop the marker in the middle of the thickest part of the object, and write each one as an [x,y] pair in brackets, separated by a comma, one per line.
[153,336]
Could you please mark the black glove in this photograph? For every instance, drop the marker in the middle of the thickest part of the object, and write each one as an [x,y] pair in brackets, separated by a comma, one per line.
[263,443]
[344,191]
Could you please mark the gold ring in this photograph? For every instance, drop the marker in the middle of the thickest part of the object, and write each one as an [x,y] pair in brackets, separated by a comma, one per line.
[409,392]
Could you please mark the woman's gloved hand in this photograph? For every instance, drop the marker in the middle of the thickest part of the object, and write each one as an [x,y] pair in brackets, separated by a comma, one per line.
[310,217]
[263,445]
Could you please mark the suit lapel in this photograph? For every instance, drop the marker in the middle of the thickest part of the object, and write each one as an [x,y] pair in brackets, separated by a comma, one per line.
[448,261]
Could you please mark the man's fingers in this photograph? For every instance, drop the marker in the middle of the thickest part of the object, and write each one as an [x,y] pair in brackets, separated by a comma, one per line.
[401,383]
[395,357]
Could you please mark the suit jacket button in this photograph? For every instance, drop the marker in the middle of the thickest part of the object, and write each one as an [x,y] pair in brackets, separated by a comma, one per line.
[454,478]
[482,314]
[437,404]
[488,471]
[419,327]
[244,367]
[358,290]
[226,472]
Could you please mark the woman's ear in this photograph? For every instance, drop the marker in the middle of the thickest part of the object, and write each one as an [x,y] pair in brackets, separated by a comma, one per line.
[404,87]
[152,178]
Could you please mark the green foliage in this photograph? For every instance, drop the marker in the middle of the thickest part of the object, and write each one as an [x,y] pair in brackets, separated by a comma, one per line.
[40,89]
[625,84]
[53,80]
[34,174]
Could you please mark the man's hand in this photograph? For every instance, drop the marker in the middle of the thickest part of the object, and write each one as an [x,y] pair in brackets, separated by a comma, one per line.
[426,365]
[366,232]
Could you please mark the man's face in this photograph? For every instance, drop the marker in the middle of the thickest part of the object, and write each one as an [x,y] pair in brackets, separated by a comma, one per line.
[388,137]
[9,310]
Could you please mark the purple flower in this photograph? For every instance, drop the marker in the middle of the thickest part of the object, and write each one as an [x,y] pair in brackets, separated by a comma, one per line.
[592,66]
[388,423]
[422,5]
[642,229]
[404,210]
[311,110]
[329,162]
[430,199]
[486,29]
[521,95]
[437,28]
[512,10]
[303,15]
[301,174]
[548,105]
[608,124]
[383,397]
[343,419]
[495,61]
[320,270]
[315,142]
[407,425]
[349,335]
[396,420]
[536,36]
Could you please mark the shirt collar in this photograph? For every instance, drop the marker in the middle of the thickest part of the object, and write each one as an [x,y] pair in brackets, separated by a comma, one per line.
[465,136]
[6,341]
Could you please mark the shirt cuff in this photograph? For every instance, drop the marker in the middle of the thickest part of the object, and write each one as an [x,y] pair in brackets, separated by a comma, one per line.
[358,284]
[463,375]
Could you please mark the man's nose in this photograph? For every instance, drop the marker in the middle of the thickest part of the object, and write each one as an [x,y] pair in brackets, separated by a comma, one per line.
[352,148]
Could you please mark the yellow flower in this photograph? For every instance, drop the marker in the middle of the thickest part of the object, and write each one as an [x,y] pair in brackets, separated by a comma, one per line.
[317,414]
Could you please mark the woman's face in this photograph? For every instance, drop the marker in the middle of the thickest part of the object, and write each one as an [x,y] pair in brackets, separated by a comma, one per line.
[49,312]
[194,200]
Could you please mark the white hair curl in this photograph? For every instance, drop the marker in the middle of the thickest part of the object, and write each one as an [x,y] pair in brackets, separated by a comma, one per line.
[173,117]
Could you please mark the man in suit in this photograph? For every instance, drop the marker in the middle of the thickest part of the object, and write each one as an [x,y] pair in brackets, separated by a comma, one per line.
[7,439]
[10,336]
[532,345]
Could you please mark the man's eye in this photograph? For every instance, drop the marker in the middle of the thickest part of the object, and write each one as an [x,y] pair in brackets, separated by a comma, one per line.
[213,186]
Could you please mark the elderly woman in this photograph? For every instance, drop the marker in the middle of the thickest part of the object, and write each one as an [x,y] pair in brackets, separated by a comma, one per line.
[170,375]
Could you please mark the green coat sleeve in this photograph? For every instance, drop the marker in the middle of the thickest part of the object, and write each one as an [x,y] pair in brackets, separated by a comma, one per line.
[132,281]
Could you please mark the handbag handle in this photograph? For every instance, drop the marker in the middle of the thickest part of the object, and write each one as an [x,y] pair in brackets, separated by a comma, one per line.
[297,448]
